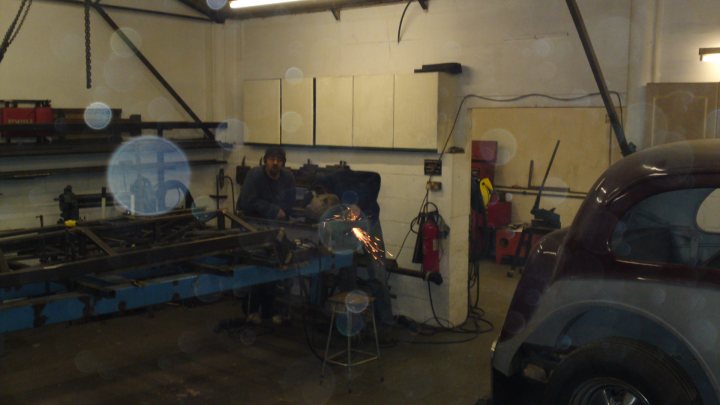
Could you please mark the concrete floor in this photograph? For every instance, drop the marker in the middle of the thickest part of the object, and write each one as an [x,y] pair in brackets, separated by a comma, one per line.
[174,356]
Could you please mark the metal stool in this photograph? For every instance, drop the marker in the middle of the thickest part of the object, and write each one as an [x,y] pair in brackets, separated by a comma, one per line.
[344,303]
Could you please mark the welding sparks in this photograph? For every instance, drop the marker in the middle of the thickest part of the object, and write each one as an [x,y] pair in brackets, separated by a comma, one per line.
[348,222]
[372,244]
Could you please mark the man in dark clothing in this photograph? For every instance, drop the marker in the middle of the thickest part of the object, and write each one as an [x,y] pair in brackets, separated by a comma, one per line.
[268,192]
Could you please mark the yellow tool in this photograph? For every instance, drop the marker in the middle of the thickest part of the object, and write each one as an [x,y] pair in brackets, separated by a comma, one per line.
[486,190]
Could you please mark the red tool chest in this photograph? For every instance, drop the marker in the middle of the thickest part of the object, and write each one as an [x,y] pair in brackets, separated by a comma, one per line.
[11,112]
[484,156]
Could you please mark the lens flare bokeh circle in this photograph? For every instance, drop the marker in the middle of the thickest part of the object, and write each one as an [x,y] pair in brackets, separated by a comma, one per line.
[349,324]
[216,4]
[356,301]
[97,115]
[148,175]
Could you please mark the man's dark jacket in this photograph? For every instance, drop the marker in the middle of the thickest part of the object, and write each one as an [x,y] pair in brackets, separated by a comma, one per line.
[263,196]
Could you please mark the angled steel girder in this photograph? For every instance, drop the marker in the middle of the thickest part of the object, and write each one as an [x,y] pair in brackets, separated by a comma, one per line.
[625,147]
[151,68]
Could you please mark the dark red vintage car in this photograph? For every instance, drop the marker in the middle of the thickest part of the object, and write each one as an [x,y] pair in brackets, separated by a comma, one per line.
[623,307]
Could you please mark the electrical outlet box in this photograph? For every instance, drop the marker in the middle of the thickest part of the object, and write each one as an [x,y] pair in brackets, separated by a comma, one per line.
[434,185]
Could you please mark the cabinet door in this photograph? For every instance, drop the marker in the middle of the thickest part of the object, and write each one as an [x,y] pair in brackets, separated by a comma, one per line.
[296,121]
[373,111]
[261,111]
[416,111]
[334,111]
[680,111]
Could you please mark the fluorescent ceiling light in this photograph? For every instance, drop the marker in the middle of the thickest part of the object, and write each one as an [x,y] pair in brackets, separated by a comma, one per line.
[254,3]
[710,54]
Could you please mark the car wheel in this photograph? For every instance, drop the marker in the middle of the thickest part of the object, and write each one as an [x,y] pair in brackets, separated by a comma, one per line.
[619,371]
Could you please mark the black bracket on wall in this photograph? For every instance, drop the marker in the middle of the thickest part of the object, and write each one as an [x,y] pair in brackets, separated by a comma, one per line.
[424,4]
[336,13]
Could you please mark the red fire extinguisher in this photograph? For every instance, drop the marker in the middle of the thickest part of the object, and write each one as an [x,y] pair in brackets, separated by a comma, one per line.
[430,241]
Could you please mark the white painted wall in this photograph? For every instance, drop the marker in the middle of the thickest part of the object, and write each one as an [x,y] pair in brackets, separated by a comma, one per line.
[683,28]
[47,61]
[507,48]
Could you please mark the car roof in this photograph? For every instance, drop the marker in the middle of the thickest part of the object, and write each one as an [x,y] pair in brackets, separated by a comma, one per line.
[677,158]
[670,166]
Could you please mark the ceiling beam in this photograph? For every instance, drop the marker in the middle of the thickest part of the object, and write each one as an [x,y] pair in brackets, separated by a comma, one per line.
[206,11]
[133,10]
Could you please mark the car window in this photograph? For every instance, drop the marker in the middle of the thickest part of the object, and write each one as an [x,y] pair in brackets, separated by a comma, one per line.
[708,215]
[680,226]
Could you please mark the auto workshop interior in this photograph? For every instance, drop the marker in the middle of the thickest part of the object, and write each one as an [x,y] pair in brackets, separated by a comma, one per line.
[359,201]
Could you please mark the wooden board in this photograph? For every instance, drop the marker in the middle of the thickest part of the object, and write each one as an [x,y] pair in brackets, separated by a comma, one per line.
[334,113]
[261,111]
[373,111]
[297,126]
[680,111]
[587,147]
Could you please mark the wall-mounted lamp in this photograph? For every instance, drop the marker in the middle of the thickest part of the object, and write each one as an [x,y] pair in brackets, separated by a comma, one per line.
[709,54]
[254,3]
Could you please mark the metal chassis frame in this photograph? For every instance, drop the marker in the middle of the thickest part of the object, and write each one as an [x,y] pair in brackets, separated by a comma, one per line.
[38,304]
[58,273]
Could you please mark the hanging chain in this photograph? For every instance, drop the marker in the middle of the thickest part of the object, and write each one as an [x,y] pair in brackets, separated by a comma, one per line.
[14,27]
[22,19]
[88,54]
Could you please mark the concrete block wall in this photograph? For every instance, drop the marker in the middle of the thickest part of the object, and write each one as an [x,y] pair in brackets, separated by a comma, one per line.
[506,48]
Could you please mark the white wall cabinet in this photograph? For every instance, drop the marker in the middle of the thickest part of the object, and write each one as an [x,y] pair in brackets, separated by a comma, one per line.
[261,111]
[423,106]
[334,111]
[373,111]
[298,108]
[404,111]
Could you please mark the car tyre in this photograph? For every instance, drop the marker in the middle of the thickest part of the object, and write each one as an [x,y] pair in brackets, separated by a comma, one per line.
[618,371]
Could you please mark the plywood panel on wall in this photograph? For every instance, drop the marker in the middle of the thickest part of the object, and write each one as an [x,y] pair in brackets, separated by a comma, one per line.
[334,111]
[416,111]
[373,111]
[680,111]
[261,111]
[587,147]
[297,120]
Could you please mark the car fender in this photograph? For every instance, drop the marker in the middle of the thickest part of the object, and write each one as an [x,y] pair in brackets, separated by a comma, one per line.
[568,318]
